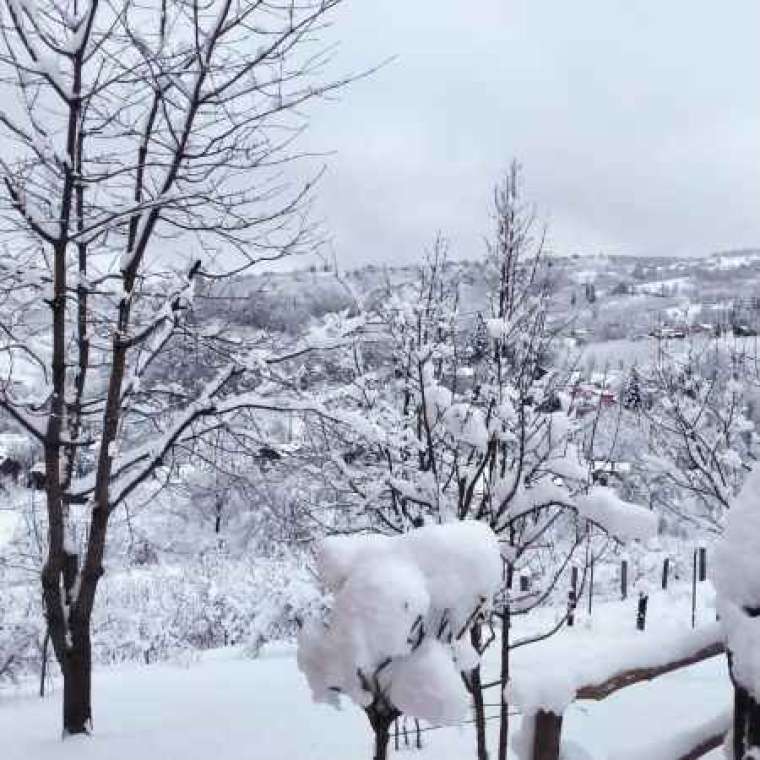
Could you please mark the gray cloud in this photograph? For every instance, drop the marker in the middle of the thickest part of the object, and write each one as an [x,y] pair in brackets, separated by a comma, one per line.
[638,123]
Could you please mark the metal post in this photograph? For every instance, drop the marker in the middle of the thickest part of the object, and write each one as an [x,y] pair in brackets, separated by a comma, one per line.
[591,585]
[702,563]
[665,573]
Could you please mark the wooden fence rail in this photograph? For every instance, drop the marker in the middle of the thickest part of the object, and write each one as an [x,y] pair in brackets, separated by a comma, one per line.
[548,725]
[705,746]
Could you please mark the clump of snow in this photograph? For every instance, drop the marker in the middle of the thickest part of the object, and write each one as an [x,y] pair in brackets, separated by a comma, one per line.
[618,517]
[401,606]
[427,683]
[500,329]
[736,575]
[466,424]
[437,398]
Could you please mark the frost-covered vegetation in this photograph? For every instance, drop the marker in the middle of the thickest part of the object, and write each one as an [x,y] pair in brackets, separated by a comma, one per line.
[429,477]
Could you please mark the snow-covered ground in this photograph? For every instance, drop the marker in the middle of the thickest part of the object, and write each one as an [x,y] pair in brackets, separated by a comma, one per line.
[227,707]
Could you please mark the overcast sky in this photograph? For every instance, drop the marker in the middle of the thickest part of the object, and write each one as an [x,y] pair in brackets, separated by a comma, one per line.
[637,123]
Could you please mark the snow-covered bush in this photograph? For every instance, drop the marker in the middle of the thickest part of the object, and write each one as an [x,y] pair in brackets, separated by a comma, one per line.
[154,613]
[701,432]
[160,612]
[21,627]
[736,576]
[396,638]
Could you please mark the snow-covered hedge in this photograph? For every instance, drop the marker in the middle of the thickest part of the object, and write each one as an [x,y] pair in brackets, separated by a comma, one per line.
[20,631]
[161,611]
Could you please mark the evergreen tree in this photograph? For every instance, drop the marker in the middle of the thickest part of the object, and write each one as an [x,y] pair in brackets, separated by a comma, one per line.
[632,396]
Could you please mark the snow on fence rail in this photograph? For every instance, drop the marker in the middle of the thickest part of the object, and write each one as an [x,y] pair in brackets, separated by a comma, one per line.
[686,745]
[540,736]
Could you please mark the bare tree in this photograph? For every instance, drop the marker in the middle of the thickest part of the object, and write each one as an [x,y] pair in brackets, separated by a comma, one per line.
[150,144]
[470,434]
[699,429]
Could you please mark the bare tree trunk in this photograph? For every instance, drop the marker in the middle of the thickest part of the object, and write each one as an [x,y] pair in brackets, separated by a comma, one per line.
[503,680]
[480,713]
[43,666]
[382,734]
[381,723]
[77,675]
[474,684]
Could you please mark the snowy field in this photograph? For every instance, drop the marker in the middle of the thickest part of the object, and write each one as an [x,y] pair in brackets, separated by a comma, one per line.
[227,707]
[626,352]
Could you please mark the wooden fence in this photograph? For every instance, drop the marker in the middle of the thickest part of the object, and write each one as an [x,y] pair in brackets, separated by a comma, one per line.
[547,734]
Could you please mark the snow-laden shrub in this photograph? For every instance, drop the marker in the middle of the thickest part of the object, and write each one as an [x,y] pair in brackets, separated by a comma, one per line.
[160,611]
[396,638]
[20,631]
[736,575]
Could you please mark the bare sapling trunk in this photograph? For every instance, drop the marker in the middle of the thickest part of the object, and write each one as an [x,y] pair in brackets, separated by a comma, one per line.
[381,721]
[503,682]
[474,683]
[44,654]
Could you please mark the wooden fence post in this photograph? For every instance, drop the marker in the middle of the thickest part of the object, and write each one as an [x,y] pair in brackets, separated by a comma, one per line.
[641,615]
[547,736]
[665,573]
[624,579]
[694,590]
[591,586]
[702,563]
[572,597]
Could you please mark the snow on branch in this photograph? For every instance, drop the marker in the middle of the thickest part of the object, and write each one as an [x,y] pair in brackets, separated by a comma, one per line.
[619,518]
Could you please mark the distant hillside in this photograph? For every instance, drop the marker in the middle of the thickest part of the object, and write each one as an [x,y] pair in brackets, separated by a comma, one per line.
[605,297]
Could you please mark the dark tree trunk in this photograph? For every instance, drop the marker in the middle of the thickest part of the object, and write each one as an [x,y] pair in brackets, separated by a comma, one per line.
[503,681]
[479,709]
[77,674]
[68,620]
[44,665]
[381,723]
[475,687]
[382,734]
